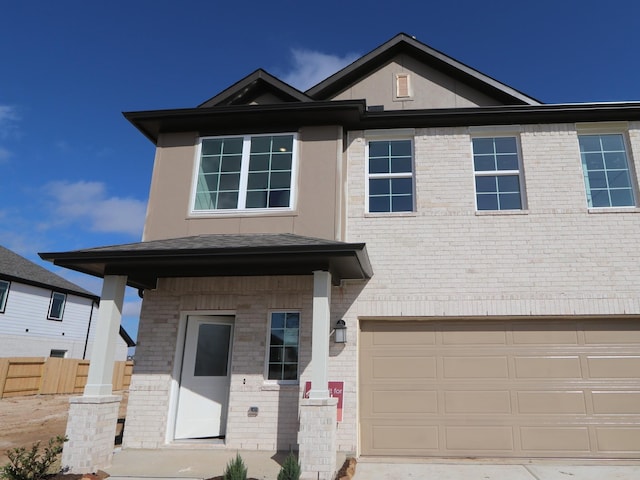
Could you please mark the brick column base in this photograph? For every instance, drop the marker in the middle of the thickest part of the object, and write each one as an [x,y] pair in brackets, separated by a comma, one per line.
[91,430]
[317,438]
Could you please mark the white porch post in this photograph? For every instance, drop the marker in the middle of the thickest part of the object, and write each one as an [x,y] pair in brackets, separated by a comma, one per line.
[93,417]
[317,434]
[320,335]
[99,381]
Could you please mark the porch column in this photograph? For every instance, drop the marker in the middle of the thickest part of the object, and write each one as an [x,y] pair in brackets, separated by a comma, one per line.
[317,435]
[93,417]
[103,352]
[320,335]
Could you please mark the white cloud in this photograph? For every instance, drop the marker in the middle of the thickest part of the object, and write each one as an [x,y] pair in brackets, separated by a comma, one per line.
[88,203]
[4,155]
[310,67]
[131,308]
[8,120]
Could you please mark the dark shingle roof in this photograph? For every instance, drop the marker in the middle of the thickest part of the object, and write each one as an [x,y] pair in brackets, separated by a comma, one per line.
[219,255]
[18,268]
[219,241]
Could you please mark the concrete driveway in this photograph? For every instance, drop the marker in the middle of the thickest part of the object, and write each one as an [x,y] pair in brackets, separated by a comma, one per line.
[366,470]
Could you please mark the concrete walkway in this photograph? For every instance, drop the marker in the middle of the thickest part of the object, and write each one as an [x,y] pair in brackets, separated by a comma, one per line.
[367,470]
[188,463]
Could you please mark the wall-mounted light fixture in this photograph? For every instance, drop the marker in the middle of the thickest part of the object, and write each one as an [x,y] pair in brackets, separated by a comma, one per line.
[341,331]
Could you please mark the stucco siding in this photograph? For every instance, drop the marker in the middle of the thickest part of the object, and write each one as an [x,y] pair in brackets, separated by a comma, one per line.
[316,193]
[430,88]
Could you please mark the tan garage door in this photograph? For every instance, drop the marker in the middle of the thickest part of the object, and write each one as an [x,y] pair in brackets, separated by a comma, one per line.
[500,389]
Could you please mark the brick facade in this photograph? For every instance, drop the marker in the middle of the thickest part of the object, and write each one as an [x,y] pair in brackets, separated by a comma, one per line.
[249,299]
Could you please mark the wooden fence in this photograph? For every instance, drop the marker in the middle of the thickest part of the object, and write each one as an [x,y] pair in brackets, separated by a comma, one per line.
[41,375]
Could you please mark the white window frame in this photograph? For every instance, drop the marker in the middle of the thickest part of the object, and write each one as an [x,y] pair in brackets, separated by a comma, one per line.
[272,381]
[4,294]
[500,173]
[390,137]
[51,301]
[244,177]
[612,128]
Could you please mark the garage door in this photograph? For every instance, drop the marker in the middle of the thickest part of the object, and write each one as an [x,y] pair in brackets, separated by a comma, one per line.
[500,389]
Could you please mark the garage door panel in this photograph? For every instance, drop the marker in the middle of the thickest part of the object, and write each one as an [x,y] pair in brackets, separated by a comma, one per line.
[523,389]
[474,337]
[614,367]
[614,336]
[480,439]
[620,403]
[406,401]
[477,402]
[402,368]
[545,333]
[618,439]
[381,334]
[548,367]
[551,403]
[555,439]
[475,367]
[400,438]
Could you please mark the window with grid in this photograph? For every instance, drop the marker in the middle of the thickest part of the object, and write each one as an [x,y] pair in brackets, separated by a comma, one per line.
[498,178]
[390,171]
[4,293]
[284,334]
[607,178]
[249,172]
[56,306]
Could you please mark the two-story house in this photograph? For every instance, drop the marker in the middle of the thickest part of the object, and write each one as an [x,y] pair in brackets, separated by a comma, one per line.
[457,258]
[45,315]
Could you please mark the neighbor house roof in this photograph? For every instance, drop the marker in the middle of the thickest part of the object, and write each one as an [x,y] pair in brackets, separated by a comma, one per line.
[219,255]
[18,268]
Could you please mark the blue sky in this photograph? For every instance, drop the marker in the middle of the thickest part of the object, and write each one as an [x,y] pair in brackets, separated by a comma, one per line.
[76,174]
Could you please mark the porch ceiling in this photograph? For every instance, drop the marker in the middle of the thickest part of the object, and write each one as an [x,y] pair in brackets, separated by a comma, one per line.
[219,255]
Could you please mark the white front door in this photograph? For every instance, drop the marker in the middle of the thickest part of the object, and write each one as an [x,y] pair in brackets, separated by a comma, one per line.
[205,376]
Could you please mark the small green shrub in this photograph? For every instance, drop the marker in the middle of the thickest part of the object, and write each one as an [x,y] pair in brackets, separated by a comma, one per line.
[290,469]
[235,469]
[31,464]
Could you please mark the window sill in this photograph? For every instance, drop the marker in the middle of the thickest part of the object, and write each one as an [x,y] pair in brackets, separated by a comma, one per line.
[614,210]
[276,387]
[483,213]
[258,212]
[390,214]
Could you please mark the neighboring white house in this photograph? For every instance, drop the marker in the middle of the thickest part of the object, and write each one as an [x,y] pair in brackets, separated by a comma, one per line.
[44,315]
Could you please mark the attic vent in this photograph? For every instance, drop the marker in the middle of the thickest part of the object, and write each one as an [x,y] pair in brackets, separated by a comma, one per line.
[403,89]
[375,108]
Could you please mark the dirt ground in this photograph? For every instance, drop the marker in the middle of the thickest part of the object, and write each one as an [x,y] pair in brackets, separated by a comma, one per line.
[26,420]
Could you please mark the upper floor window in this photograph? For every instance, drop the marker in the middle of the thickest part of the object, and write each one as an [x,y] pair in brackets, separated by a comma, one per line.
[284,335]
[248,172]
[498,177]
[390,172]
[56,306]
[605,167]
[4,293]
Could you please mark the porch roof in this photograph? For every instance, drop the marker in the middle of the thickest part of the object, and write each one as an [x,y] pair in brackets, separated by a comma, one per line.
[219,255]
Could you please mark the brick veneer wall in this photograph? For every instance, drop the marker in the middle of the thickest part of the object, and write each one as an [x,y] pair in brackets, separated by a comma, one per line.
[447,260]
[251,298]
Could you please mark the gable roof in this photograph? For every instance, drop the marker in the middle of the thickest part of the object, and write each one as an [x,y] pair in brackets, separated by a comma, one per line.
[251,87]
[403,43]
[18,268]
